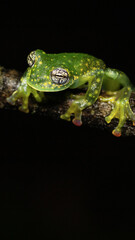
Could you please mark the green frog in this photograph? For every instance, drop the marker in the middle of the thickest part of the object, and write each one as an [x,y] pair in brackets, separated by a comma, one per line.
[58,72]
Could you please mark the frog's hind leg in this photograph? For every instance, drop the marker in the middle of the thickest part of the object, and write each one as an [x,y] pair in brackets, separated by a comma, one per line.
[121,109]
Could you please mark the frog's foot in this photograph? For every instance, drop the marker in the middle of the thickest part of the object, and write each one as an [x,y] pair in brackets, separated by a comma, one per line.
[77,114]
[121,109]
[76,108]
[23,93]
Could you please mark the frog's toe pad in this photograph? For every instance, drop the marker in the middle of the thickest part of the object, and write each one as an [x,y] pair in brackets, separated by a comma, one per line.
[116,133]
[77,122]
[24,109]
[65,117]
[10,100]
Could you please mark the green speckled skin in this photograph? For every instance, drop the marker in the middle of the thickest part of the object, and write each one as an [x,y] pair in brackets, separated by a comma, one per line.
[76,64]
[58,72]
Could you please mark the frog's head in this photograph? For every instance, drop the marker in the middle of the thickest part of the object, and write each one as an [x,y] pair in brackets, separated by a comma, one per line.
[48,73]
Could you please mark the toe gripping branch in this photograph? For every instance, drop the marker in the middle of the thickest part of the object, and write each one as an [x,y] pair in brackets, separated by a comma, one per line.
[121,109]
[23,92]
[75,108]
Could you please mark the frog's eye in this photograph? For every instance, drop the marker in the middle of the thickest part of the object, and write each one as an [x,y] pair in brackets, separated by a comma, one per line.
[31,58]
[59,76]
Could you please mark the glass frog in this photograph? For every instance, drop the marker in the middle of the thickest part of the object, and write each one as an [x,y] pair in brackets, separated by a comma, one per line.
[58,72]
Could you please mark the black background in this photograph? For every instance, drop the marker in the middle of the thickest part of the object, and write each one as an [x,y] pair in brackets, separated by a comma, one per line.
[59,181]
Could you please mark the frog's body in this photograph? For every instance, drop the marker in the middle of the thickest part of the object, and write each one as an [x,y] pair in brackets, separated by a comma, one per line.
[76,64]
[57,72]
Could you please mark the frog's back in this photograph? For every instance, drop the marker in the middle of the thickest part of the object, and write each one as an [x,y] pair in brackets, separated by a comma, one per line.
[78,63]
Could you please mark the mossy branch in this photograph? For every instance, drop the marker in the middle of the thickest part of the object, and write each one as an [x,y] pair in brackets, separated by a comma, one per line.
[57,103]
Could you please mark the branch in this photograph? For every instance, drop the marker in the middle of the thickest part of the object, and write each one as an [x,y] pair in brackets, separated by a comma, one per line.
[57,103]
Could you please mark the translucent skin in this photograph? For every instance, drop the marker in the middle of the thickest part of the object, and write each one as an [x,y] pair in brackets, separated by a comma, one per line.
[58,72]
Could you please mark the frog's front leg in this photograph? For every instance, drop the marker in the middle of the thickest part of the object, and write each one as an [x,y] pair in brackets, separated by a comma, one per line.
[23,92]
[81,102]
